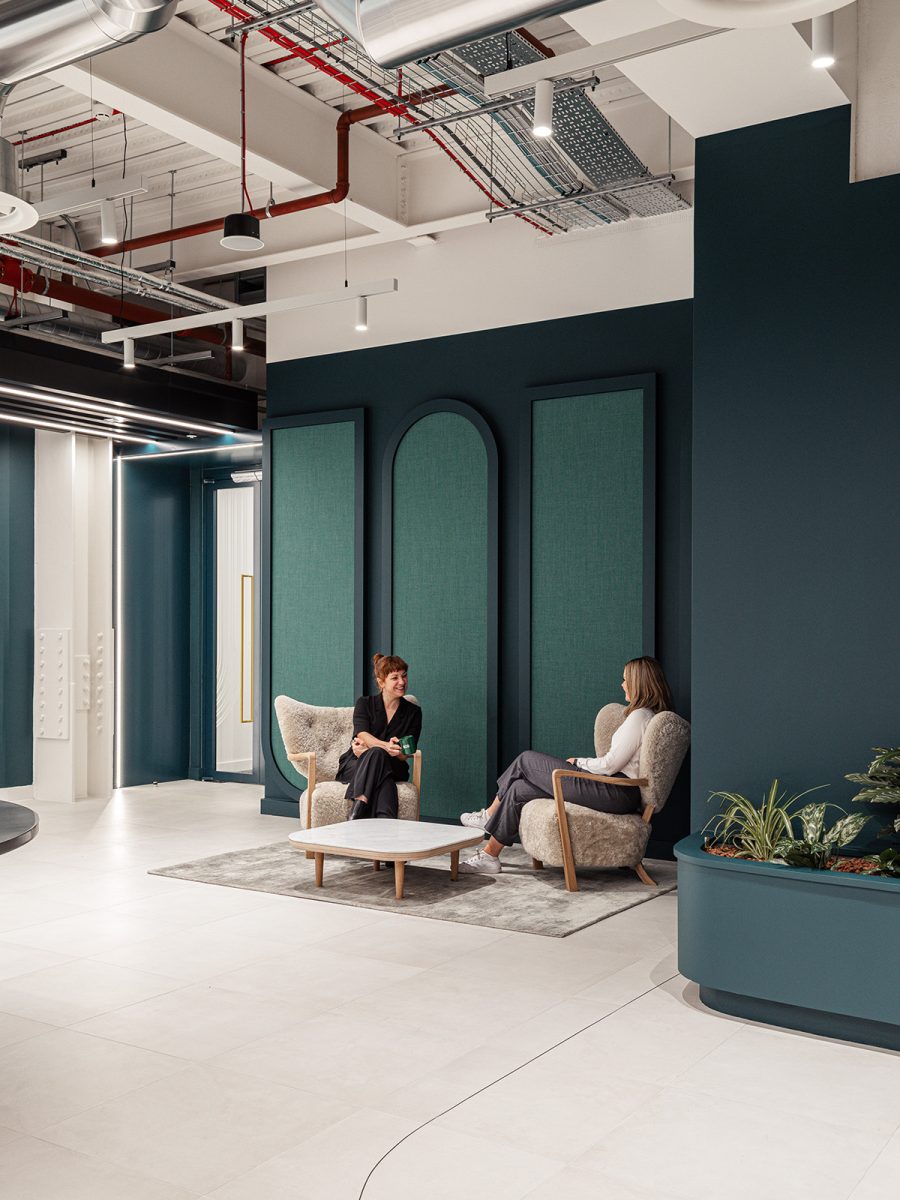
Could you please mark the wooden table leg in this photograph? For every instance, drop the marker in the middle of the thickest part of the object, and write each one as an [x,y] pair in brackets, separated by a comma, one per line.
[399,874]
[454,864]
[320,866]
[376,863]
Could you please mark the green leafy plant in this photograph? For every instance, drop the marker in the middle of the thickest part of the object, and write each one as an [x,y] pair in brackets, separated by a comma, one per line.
[881,782]
[754,831]
[885,863]
[818,845]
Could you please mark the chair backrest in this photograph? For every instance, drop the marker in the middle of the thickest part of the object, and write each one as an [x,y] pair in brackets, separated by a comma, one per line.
[313,728]
[666,741]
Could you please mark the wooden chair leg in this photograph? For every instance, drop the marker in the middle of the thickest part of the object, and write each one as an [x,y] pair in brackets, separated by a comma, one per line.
[643,876]
[537,865]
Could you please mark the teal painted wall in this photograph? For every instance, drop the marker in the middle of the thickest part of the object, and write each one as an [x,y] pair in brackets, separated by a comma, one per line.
[796,483]
[16,605]
[494,371]
[313,569]
[587,560]
[440,613]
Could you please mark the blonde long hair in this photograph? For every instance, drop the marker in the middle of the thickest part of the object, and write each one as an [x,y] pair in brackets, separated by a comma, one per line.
[647,685]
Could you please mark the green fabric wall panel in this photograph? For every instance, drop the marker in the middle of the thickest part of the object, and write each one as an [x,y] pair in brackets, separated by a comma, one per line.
[587,560]
[440,602]
[314,559]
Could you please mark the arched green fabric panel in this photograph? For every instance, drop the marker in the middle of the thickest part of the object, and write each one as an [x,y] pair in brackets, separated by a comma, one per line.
[313,524]
[440,599]
[587,561]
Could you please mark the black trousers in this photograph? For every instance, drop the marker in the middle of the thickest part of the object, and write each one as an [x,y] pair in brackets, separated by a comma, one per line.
[375,775]
[530,776]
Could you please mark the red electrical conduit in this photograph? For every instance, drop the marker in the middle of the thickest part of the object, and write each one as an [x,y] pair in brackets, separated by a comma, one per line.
[37,137]
[15,275]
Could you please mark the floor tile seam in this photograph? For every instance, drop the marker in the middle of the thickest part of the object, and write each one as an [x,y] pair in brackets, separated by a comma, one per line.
[873,1164]
[108,1162]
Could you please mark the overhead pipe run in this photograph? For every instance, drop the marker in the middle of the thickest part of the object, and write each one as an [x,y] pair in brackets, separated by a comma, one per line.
[37,36]
[318,200]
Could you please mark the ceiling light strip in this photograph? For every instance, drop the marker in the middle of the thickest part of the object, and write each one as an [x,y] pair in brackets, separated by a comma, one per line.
[153,456]
[111,408]
[248,311]
[61,427]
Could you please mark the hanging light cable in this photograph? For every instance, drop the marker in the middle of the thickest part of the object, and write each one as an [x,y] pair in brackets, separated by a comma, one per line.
[241,230]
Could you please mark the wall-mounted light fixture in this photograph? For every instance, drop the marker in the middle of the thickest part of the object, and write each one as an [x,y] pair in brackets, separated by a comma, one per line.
[542,123]
[823,41]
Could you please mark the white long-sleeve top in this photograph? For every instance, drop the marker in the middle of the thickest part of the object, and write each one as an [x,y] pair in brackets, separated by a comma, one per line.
[624,754]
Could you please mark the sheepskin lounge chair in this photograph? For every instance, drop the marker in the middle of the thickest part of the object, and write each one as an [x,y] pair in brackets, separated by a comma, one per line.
[558,834]
[314,739]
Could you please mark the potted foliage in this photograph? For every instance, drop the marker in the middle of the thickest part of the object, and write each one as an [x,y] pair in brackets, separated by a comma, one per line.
[881,782]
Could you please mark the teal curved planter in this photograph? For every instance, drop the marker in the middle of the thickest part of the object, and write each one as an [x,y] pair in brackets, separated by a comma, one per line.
[810,950]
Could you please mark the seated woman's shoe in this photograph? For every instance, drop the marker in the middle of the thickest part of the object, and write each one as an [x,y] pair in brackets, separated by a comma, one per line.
[481,863]
[359,810]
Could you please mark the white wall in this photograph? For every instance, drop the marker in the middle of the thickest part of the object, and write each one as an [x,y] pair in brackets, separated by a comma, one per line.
[482,278]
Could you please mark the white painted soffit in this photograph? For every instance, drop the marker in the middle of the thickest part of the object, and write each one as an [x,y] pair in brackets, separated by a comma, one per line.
[618,18]
[740,77]
[752,14]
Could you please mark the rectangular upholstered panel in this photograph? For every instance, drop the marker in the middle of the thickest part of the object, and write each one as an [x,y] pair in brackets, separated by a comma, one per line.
[313,556]
[440,602]
[587,560]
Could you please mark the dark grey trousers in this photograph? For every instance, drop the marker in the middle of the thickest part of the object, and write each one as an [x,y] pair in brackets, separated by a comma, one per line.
[531,775]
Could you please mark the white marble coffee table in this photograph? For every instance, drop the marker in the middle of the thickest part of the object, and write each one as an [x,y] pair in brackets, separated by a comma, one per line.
[384,840]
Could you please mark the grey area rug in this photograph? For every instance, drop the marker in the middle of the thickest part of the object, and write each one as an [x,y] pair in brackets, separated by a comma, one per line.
[519,898]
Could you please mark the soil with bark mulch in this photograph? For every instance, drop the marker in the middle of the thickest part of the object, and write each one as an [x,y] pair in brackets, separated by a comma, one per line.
[855,866]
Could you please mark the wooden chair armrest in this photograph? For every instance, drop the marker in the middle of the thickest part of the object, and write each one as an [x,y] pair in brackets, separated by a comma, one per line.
[563,820]
[308,761]
[417,777]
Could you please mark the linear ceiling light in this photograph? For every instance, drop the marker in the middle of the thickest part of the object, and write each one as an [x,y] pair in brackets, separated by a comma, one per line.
[823,41]
[232,447]
[108,234]
[247,311]
[542,124]
[113,408]
[67,427]
[362,315]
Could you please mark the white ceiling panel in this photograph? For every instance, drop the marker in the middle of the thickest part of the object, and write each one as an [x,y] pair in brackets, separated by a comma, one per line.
[737,78]
[618,18]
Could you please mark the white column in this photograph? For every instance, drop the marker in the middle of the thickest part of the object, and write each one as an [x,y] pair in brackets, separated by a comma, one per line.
[876,113]
[73,726]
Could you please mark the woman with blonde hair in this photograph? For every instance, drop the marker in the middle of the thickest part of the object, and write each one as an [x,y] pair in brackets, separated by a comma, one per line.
[531,774]
[375,763]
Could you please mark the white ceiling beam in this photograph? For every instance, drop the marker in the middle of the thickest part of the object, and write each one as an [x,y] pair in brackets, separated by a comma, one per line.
[589,58]
[186,84]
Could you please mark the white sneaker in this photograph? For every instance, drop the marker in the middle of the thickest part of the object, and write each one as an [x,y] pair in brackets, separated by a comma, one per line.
[475,820]
[481,863]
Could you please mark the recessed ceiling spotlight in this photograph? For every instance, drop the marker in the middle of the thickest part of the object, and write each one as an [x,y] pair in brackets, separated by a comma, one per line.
[241,232]
[823,41]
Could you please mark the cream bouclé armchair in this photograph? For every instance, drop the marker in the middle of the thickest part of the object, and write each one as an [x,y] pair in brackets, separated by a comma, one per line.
[560,834]
[315,738]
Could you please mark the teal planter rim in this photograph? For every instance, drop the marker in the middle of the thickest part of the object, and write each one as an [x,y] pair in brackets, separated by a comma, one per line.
[690,850]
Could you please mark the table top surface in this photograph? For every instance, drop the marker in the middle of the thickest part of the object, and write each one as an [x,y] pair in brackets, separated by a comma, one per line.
[18,825]
[390,838]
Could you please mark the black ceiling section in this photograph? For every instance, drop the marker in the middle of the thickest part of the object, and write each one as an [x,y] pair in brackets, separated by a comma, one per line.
[35,363]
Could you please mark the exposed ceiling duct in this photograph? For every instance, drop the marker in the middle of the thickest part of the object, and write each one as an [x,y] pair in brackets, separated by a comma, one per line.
[393,32]
[37,36]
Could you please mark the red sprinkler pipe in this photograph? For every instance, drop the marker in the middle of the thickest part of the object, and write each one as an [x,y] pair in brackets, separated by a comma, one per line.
[319,199]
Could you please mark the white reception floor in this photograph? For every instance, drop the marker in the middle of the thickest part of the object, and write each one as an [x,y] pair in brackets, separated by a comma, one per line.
[161,1040]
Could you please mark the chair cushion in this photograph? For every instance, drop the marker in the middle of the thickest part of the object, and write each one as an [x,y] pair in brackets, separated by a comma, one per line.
[329,805]
[598,839]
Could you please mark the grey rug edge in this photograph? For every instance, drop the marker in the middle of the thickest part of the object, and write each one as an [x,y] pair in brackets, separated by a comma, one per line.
[187,871]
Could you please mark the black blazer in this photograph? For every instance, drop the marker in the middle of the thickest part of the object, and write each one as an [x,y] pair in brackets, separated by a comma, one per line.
[369,717]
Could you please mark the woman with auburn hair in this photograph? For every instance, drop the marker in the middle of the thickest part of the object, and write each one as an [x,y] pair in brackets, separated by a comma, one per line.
[375,762]
[531,774]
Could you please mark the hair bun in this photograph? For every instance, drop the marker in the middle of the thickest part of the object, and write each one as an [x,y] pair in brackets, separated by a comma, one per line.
[377,658]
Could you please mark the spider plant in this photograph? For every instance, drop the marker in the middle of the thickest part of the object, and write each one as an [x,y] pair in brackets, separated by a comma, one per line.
[755,831]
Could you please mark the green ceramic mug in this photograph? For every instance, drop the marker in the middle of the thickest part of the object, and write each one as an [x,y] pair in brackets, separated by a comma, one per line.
[408,744]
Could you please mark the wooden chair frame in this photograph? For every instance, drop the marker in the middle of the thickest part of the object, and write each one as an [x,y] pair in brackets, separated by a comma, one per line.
[306,764]
[563,819]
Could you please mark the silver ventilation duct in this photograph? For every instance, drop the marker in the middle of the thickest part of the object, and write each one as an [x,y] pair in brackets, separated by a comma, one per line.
[393,32]
[37,36]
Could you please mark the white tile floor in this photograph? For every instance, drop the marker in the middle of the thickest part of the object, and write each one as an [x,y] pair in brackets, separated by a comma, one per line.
[164,1040]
